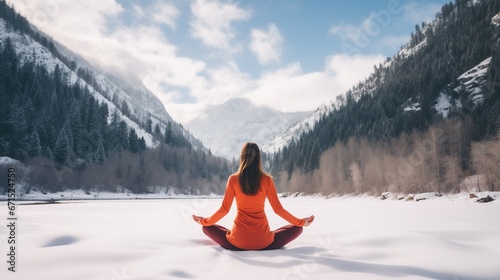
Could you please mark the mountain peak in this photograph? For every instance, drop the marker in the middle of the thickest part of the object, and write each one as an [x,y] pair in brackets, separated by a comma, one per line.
[237,101]
[226,127]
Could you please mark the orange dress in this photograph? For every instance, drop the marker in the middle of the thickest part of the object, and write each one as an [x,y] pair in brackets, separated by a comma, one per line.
[251,228]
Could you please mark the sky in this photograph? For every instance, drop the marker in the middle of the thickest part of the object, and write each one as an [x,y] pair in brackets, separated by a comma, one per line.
[291,55]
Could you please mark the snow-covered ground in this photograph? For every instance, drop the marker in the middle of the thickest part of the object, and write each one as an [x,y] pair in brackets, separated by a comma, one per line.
[351,238]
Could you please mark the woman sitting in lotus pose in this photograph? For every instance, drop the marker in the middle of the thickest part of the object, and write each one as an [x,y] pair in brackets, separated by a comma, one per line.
[250,186]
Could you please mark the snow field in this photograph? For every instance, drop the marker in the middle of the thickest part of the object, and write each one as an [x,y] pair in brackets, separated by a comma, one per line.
[351,238]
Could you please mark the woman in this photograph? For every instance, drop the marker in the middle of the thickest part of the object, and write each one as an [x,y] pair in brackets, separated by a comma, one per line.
[250,186]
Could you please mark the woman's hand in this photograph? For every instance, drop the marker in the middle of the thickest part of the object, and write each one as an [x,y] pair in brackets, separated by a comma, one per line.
[309,220]
[197,219]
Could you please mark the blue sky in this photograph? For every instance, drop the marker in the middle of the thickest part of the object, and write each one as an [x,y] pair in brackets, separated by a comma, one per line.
[287,54]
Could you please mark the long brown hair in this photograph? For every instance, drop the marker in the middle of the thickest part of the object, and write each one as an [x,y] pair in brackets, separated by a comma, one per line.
[250,170]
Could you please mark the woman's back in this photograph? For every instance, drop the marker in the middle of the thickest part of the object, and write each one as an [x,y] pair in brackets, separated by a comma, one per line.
[250,186]
[251,227]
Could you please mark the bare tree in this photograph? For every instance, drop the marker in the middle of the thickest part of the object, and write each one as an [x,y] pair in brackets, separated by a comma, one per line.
[356,177]
[486,160]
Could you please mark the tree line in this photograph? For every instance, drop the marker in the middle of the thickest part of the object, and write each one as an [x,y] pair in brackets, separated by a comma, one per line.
[414,162]
[63,134]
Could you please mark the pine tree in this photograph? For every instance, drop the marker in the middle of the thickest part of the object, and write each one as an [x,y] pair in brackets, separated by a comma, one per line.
[100,155]
[168,134]
[71,139]
[123,135]
[19,140]
[125,109]
[35,146]
[142,145]
[133,141]
[62,148]
[157,129]
[149,125]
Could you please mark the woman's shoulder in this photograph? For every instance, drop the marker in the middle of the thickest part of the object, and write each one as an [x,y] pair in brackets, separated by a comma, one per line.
[266,178]
[233,177]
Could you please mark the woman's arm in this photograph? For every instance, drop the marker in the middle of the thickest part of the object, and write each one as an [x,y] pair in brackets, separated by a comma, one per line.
[272,196]
[223,210]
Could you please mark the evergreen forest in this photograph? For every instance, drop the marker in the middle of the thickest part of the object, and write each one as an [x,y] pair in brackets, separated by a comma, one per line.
[68,139]
[370,143]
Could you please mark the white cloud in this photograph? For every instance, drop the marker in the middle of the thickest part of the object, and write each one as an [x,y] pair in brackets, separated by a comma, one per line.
[290,89]
[225,82]
[165,13]
[349,70]
[286,89]
[139,11]
[134,52]
[212,23]
[372,31]
[65,16]
[155,61]
[266,45]
[417,12]
[183,84]
[184,112]
[347,32]
[140,51]
[159,12]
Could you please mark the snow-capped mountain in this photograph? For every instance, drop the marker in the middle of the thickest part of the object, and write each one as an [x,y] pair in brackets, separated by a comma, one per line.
[226,127]
[143,105]
[470,84]
[294,131]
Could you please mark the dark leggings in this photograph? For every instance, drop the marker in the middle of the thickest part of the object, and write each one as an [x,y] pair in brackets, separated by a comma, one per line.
[282,236]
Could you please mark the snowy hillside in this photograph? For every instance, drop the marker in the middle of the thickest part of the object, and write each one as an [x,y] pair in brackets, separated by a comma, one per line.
[143,104]
[225,128]
[470,83]
[496,20]
[293,132]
